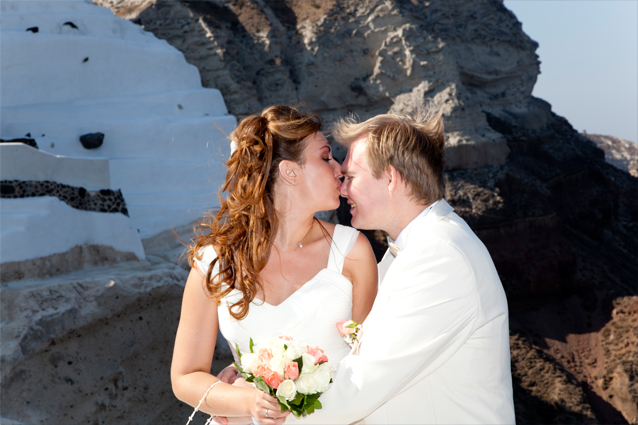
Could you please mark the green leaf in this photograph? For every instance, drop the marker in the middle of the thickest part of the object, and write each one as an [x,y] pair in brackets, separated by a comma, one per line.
[352,325]
[238,350]
[285,347]
[310,410]
[317,404]
[283,403]
[299,399]
[299,361]
[239,368]
[260,384]
[311,398]
[251,346]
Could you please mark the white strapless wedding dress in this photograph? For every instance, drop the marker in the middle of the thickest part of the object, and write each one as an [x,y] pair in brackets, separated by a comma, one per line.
[308,315]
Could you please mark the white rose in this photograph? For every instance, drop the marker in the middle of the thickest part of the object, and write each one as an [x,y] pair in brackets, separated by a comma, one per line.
[287,389]
[308,363]
[291,354]
[277,364]
[307,384]
[277,342]
[248,362]
[277,351]
[322,375]
[300,347]
[257,348]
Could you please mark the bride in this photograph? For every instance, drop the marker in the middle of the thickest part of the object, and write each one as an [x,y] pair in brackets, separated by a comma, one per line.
[264,266]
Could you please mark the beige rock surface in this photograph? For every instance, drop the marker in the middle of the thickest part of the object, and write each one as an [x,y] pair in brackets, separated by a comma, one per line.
[95,345]
[620,153]
[465,58]
[74,259]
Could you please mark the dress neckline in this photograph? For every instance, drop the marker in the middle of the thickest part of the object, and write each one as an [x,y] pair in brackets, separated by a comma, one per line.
[307,284]
[310,282]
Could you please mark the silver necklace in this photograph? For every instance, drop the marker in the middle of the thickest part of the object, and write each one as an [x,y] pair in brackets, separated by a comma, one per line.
[297,243]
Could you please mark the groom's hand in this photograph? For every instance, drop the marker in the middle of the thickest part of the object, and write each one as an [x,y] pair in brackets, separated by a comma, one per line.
[241,382]
[229,374]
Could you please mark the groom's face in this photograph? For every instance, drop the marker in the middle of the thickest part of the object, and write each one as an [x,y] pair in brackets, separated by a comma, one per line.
[366,195]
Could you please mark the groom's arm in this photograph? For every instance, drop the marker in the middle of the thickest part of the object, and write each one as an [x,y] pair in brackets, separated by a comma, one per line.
[431,312]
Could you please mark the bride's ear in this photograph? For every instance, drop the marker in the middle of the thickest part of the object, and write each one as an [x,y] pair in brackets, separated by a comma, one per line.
[287,172]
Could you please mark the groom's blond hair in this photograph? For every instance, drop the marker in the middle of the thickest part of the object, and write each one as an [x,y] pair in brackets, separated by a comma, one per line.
[414,146]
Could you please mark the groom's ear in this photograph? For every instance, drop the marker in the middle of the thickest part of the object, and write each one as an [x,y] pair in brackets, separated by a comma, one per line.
[287,172]
[393,178]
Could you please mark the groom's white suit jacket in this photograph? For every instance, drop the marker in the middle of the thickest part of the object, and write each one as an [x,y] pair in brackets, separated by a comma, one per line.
[435,347]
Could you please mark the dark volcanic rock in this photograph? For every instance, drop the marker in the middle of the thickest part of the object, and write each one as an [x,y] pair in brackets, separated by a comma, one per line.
[562,227]
[26,140]
[92,140]
[105,200]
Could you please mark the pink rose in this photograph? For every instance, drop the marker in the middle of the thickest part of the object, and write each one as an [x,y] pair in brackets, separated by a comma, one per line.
[271,378]
[318,354]
[265,356]
[259,369]
[342,330]
[285,338]
[292,371]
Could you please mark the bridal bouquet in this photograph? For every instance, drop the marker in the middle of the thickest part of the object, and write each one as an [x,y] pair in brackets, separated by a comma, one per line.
[293,372]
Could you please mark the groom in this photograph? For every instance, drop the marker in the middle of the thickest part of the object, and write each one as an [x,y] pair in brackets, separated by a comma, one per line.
[435,347]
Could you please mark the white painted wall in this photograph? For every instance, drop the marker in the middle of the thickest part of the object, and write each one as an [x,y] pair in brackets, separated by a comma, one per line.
[55,228]
[21,162]
[164,133]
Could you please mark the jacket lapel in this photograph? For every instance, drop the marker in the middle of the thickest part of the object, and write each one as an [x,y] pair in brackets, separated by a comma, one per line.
[384,265]
[439,212]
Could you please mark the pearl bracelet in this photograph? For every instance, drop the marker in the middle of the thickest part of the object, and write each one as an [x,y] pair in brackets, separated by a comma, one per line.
[200,403]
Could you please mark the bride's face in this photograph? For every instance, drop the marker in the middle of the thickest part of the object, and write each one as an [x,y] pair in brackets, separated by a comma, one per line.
[319,175]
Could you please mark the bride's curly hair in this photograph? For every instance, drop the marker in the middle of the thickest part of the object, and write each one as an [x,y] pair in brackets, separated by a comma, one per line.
[242,228]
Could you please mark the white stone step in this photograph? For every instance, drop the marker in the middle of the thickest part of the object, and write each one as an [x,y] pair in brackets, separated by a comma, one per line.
[59,228]
[144,175]
[113,67]
[21,162]
[50,17]
[151,136]
[179,104]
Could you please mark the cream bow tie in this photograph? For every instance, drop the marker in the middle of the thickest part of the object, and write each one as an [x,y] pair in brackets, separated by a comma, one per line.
[394,249]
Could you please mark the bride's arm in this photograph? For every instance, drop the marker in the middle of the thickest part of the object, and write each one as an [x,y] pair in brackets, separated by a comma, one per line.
[360,267]
[192,359]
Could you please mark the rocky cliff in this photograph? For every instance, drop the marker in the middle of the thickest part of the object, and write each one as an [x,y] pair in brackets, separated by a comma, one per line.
[366,57]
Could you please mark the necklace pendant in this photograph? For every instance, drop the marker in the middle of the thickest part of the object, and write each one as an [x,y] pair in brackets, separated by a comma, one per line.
[300,245]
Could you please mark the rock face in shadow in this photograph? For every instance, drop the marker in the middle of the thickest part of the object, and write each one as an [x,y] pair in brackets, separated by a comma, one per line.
[463,57]
[562,227]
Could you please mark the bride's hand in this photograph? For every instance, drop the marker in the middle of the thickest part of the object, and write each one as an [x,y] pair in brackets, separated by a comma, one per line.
[266,410]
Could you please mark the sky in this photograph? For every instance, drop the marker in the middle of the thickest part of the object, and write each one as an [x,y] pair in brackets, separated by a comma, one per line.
[589,61]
